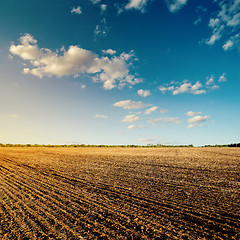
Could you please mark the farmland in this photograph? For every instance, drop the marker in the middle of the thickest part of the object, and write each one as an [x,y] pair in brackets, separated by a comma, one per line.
[119,193]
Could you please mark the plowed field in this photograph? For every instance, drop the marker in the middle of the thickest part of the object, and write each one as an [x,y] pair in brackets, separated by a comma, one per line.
[119,193]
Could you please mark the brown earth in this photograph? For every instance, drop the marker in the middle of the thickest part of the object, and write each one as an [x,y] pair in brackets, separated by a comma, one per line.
[119,193]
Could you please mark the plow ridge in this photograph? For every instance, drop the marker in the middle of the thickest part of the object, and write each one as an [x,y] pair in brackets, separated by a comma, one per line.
[125,194]
[47,201]
[74,199]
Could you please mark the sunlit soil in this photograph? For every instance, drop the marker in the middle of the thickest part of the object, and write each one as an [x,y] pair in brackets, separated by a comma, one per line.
[119,193]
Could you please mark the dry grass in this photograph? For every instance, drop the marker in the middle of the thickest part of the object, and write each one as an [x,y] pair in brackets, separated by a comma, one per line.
[119,193]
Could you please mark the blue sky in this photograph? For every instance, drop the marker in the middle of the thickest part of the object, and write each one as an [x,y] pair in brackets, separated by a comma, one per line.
[119,72]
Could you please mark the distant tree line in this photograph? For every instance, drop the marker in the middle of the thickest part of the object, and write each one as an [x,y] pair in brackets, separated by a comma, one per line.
[84,145]
[225,145]
[105,146]
[234,145]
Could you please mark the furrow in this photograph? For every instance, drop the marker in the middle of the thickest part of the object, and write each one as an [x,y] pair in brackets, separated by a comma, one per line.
[199,216]
[101,218]
[54,212]
[97,203]
[39,214]
[134,210]
[16,220]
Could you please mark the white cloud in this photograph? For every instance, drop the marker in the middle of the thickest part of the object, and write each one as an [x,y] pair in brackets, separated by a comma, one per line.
[228,45]
[222,78]
[216,36]
[187,87]
[163,110]
[143,93]
[164,120]
[232,42]
[101,116]
[27,39]
[191,113]
[210,81]
[214,22]
[103,7]
[175,5]
[164,89]
[198,92]
[77,10]
[139,5]
[129,104]
[226,21]
[196,121]
[101,29]
[192,126]
[109,51]
[196,86]
[131,118]
[112,71]
[150,110]
[196,89]
[135,126]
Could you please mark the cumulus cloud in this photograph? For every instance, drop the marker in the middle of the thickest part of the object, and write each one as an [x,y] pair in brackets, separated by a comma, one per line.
[135,126]
[150,110]
[164,120]
[185,87]
[228,45]
[210,84]
[112,71]
[226,21]
[101,116]
[129,104]
[109,51]
[232,42]
[191,113]
[143,93]
[222,78]
[197,92]
[131,118]
[196,89]
[175,5]
[210,81]
[163,110]
[77,10]
[139,5]
[103,7]
[216,36]
[164,89]
[196,121]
